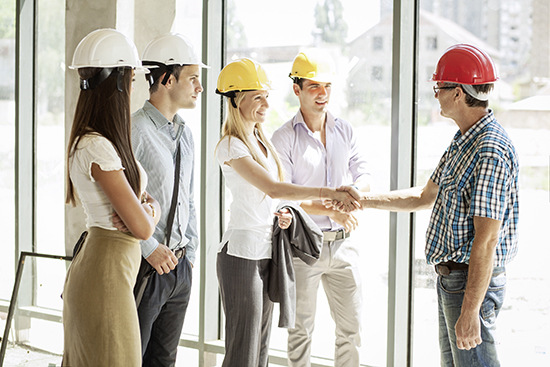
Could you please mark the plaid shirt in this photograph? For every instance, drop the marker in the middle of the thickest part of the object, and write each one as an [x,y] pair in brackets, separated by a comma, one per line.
[477,176]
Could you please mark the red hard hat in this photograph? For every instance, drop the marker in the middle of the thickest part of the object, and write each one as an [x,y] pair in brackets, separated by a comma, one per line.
[465,64]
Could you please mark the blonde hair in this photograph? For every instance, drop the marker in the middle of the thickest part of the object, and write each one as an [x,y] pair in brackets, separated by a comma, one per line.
[233,126]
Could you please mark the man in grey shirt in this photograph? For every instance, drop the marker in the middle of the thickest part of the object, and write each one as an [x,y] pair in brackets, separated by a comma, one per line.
[157,130]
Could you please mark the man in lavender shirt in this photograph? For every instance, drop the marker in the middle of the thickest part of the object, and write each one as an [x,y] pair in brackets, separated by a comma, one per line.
[318,149]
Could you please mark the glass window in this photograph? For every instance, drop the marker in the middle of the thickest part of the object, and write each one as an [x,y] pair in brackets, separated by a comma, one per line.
[520,103]
[431,43]
[377,73]
[377,43]
[50,141]
[7,148]
[345,34]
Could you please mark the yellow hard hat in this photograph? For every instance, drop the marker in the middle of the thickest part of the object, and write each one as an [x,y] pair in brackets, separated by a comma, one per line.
[242,75]
[311,67]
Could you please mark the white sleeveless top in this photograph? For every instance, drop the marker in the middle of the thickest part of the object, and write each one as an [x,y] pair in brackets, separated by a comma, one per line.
[94,148]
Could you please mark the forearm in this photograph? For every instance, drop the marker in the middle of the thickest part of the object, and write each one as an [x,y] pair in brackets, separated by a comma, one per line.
[316,208]
[479,276]
[288,191]
[406,200]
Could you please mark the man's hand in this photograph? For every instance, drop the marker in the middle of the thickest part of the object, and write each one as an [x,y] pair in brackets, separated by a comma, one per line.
[338,204]
[347,220]
[468,331]
[162,259]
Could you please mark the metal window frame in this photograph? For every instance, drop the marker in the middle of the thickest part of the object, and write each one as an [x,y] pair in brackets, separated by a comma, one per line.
[403,157]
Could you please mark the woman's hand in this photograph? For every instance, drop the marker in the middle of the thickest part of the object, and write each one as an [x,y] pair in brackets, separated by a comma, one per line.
[118,223]
[285,218]
[344,200]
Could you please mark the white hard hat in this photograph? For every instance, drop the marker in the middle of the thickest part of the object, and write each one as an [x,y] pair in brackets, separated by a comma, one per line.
[171,49]
[106,48]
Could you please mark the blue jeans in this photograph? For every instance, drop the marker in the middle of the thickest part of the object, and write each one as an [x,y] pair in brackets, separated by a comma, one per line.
[450,294]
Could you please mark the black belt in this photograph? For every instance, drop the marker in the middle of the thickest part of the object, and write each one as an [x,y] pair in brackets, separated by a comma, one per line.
[448,267]
[330,236]
[180,252]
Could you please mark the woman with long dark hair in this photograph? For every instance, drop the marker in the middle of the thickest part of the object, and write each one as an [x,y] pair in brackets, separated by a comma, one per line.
[99,312]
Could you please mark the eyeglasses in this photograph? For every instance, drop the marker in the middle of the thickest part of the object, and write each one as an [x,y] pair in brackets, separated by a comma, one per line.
[437,89]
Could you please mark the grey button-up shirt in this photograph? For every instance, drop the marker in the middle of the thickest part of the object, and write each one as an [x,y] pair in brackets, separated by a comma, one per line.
[154,140]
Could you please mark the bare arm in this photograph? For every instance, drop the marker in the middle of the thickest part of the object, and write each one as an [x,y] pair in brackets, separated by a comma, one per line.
[256,175]
[407,200]
[347,220]
[151,206]
[467,328]
[125,202]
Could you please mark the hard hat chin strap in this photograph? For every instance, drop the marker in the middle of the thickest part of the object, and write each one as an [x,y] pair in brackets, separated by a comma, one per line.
[481,96]
[157,72]
[102,75]
[231,95]
[91,83]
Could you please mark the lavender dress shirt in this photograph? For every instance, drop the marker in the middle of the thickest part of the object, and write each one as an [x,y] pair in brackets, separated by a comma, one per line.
[307,162]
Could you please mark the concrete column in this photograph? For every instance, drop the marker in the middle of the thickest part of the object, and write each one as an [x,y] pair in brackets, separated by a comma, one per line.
[81,18]
[151,20]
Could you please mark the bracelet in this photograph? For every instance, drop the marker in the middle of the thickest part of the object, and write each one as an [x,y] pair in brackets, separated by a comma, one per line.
[152,209]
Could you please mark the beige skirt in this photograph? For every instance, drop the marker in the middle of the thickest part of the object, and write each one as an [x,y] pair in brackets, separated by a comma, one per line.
[100,319]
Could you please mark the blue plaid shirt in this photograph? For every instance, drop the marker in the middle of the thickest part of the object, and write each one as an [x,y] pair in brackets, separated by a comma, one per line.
[477,176]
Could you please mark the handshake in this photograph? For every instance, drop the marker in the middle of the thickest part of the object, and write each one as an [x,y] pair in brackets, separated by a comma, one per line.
[345,199]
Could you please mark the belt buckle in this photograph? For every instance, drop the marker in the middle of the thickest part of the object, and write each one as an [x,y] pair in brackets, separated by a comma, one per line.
[180,252]
[442,270]
[329,236]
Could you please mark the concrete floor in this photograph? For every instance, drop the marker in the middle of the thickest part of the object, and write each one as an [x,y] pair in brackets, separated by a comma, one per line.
[19,356]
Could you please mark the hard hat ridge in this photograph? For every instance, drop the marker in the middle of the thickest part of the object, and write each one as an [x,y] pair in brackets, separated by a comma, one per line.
[242,75]
[109,50]
[465,64]
[312,66]
[167,50]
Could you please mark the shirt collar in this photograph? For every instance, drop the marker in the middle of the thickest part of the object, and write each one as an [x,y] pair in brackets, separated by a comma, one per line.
[299,119]
[158,118]
[461,139]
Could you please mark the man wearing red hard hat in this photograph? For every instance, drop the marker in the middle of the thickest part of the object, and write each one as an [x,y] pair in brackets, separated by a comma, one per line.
[473,194]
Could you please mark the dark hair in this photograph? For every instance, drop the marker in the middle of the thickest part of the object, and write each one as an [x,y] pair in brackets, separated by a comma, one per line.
[483,88]
[299,81]
[106,111]
[156,73]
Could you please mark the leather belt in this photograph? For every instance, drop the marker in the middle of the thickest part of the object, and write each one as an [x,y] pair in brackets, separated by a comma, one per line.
[448,267]
[330,236]
[180,252]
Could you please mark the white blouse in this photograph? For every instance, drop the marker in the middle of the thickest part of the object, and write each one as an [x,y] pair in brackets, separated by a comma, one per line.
[248,233]
[94,148]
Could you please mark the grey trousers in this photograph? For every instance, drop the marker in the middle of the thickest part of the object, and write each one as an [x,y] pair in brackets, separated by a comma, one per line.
[338,269]
[248,310]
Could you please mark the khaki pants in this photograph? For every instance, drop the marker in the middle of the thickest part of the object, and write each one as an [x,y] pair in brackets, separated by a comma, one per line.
[338,269]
